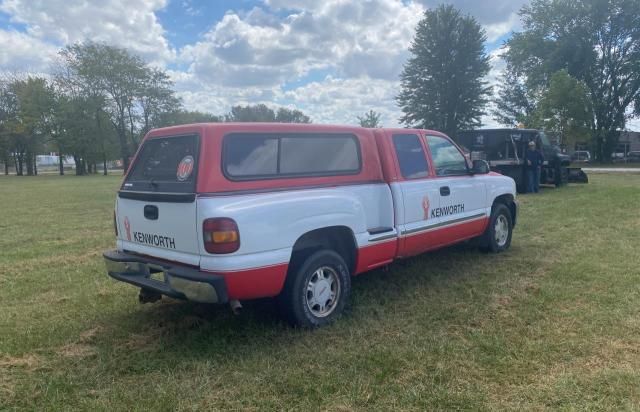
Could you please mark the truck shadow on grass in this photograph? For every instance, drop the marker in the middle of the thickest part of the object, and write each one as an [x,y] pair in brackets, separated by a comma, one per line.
[185,330]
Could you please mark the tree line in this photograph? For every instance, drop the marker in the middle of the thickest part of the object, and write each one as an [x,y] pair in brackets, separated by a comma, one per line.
[96,107]
[574,70]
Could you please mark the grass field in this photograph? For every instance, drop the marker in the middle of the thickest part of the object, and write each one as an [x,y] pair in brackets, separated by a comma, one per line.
[553,323]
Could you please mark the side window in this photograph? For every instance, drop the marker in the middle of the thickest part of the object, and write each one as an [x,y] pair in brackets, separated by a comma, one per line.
[252,156]
[447,159]
[411,156]
[319,154]
[273,156]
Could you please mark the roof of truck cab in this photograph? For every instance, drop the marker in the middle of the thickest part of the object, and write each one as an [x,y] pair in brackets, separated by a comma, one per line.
[279,127]
[499,130]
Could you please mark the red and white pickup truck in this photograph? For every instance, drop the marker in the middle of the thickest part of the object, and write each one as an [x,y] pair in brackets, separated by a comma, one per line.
[229,212]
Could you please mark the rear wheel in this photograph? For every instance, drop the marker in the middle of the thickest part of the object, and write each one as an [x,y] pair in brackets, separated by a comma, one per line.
[497,236]
[316,290]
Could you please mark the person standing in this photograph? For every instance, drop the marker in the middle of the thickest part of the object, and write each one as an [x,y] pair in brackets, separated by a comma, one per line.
[533,165]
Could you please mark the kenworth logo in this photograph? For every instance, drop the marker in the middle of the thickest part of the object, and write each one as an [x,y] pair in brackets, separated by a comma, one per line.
[447,210]
[154,240]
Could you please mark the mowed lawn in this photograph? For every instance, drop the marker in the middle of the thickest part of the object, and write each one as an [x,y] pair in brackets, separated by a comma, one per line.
[552,323]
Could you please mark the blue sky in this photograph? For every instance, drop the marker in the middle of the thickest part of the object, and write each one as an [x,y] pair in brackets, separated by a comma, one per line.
[333,59]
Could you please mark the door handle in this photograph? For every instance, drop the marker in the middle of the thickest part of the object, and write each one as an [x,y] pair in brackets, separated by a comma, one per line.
[445,191]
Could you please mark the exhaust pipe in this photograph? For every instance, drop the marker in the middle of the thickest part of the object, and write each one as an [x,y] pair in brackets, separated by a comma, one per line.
[148,296]
[236,307]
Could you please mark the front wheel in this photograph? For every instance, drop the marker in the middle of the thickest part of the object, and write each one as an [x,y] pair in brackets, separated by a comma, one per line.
[497,236]
[316,290]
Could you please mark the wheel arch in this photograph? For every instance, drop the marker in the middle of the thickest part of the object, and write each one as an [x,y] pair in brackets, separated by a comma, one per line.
[340,239]
[508,200]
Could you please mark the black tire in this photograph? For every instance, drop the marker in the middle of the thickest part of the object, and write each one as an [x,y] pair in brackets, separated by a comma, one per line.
[490,243]
[562,178]
[296,301]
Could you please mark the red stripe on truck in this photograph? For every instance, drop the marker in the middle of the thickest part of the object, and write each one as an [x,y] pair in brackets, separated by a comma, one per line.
[417,243]
[255,283]
[375,255]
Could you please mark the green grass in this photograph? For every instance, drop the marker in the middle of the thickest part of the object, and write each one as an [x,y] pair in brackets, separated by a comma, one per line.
[617,165]
[554,323]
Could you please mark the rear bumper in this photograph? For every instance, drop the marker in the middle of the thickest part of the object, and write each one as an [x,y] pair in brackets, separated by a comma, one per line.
[170,279]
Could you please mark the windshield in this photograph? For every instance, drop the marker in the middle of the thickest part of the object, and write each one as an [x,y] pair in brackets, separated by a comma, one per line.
[544,139]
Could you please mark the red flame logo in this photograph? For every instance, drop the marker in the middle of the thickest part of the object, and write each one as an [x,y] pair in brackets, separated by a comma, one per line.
[425,207]
[127,227]
[185,168]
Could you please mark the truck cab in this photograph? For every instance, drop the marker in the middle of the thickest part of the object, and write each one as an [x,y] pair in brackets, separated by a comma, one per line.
[222,213]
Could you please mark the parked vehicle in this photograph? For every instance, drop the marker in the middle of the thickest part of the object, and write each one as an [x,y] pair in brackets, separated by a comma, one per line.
[504,150]
[618,157]
[581,156]
[633,156]
[228,212]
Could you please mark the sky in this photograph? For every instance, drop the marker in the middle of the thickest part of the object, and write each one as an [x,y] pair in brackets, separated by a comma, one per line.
[332,59]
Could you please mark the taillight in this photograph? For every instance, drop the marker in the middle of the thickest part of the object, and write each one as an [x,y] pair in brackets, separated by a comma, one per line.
[115,223]
[220,235]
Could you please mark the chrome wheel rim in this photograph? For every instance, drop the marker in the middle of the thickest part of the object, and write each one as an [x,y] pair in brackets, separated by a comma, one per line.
[501,230]
[323,291]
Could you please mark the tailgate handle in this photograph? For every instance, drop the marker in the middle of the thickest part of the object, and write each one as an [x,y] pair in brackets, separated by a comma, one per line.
[445,191]
[151,212]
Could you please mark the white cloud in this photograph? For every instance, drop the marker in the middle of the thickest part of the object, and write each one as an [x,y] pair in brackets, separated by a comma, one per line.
[21,52]
[341,100]
[331,100]
[498,17]
[633,125]
[496,30]
[486,12]
[253,56]
[261,49]
[498,66]
[131,24]
[364,45]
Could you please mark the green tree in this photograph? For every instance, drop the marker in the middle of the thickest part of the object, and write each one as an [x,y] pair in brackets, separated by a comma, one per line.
[83,126]
[514,104]
[115,74]
[5,137]
[134,95]
[79,138]
[263,113]
[370,119]
[26,107]
[565,109]
[156,97]
[443,85]
[598,43]
[285,115]
[181,116]
[255,113]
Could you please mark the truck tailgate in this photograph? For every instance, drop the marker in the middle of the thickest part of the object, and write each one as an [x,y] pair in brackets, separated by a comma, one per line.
[160,229]
[156,207]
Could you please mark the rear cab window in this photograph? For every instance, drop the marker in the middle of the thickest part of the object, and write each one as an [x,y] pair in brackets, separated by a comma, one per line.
[165,165]
[255,156]
[411,156]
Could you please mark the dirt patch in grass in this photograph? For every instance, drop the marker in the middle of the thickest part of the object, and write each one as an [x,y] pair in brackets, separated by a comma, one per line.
[28,361]
[84,347]
[142,342]
[89,336]
[77,350]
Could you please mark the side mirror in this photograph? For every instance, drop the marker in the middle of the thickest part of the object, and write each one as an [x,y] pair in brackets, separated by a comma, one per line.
[480,167]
